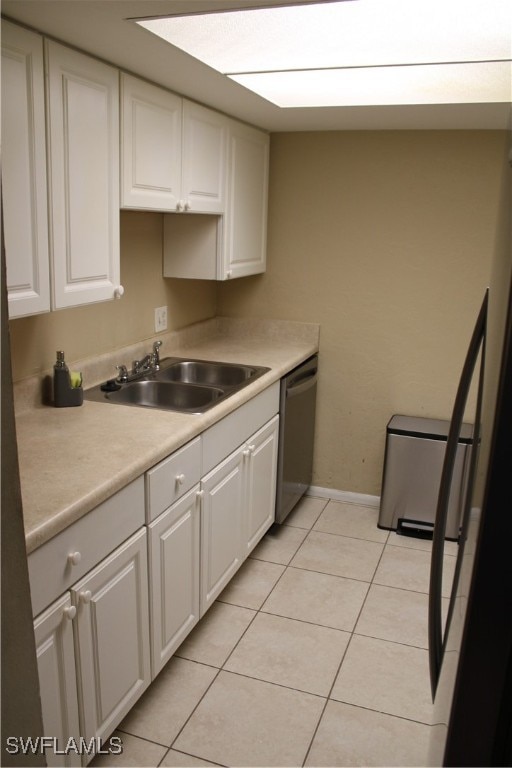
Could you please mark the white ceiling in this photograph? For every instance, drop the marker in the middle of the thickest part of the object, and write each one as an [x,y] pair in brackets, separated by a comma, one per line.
[103,28]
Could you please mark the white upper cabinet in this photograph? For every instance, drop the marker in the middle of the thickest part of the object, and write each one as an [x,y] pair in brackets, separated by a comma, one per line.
[245,235]
[173,151]
[234,245]
[204,159]
[150,146]
[63,182]
[83,145]
[24,171]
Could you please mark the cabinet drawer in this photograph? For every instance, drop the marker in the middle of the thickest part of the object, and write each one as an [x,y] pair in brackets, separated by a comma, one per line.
[90,539]
[173,477]
[224,437]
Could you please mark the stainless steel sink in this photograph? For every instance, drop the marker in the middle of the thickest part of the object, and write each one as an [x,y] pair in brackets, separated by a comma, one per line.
[205,372]
[167,395]
[189,386]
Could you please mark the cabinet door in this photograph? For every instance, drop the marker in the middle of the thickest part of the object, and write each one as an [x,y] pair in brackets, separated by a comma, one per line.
[261,483]
[53,631]
[83,101]
[221,527]
[245,226]
[204,159]
[113,636]
[174,577]
[24,172]
[150,145]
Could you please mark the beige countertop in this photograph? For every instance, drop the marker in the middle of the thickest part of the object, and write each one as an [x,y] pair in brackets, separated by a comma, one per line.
[72,459]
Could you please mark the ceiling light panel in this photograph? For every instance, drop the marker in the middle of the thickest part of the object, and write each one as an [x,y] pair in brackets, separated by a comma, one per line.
[429,84]
[343,34]
[356,52]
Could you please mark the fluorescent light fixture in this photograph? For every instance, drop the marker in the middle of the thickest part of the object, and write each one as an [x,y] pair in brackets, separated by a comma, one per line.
[426,84]
[355,52]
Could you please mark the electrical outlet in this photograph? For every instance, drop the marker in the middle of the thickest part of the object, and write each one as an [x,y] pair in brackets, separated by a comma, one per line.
[160,319]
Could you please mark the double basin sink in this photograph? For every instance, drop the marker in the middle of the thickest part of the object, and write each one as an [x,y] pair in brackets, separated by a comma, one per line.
[189,386]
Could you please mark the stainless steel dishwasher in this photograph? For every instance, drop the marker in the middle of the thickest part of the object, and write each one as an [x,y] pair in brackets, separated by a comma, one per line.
[296,435]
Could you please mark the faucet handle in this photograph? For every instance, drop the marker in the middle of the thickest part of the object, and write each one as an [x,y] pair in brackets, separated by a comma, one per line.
[123,372]
[156,353]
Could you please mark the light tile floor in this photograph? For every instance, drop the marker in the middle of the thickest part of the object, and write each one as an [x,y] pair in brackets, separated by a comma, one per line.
[315,655]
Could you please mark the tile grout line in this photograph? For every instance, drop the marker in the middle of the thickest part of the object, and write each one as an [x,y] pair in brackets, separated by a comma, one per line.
[328,699]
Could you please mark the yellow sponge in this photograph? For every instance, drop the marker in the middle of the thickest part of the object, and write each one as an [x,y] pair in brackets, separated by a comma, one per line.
[75,378]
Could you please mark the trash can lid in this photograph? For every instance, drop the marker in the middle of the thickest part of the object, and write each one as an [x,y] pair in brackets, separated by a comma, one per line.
[432,429]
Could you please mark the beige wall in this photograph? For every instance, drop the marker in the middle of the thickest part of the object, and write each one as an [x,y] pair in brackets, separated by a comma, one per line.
[385,238]
[91,330]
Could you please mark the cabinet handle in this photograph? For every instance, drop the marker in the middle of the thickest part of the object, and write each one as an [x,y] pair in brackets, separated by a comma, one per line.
[86,596]
[74,558]
[118,292]
[70,612]
[180,479]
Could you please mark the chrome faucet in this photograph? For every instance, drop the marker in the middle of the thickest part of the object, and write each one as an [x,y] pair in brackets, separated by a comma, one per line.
[148,364]
[156,354]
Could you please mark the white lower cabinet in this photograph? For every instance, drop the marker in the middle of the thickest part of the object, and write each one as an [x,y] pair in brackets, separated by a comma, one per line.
[113,636]
[238,507]
[91,678]
[174,576]
[221,526]
[55,651]
[261,483]
[89,588]
[118,618]
[199,542]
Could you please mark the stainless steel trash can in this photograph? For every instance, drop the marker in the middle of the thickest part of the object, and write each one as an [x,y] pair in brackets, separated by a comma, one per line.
[413,463]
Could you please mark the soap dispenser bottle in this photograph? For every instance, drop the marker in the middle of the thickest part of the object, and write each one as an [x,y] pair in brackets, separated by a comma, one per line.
[64,394]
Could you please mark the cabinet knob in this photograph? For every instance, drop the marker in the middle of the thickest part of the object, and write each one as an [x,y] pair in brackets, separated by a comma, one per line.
[180,479]
[86,596]
[228,274]
[70,612]
[187,206]
[118,292]
[199,494]
[179,205]
[251,448]
[246,453]
[74,558]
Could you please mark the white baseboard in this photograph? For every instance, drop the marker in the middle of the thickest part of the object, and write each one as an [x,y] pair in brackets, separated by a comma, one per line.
[348,497]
